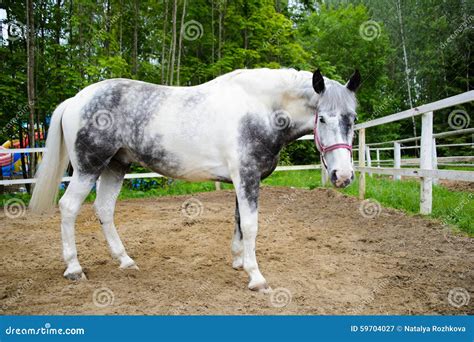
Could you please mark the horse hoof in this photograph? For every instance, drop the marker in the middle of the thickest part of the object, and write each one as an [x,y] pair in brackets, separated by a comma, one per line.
[237,265]
[129,266]
[75,276]
[262,288]
[127,263]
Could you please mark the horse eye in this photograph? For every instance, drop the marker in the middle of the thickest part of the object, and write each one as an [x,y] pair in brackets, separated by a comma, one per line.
[321,119]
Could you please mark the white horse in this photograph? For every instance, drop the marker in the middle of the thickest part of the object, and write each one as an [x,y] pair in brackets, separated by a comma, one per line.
[230,129]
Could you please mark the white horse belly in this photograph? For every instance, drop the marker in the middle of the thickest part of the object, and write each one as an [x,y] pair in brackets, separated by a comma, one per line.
[199,159]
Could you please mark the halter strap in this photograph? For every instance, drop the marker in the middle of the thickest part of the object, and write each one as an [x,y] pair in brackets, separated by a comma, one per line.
[324,149]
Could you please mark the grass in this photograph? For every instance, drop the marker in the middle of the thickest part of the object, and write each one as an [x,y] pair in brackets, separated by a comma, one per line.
[452,207]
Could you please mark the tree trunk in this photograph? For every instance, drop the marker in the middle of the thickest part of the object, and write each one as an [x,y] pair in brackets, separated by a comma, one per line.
[163,47]
[212,32]
[81,41]
[173,44]
[57,53]
[135,38]
[180,45]
[57,15]
[405,60]
[219,46]
[22,157]
[2,187]
[222,10]
[107,29]
[71,10]
[41,53]
[120,28]
[30,46]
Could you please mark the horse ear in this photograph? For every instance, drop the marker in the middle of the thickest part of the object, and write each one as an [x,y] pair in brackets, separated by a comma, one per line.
[318,82]
[354,81]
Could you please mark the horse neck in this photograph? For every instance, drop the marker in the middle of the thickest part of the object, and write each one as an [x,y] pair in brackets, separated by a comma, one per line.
[282,90]
[298,106]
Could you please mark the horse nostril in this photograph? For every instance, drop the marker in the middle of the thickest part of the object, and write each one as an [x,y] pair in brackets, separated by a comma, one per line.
[334,176]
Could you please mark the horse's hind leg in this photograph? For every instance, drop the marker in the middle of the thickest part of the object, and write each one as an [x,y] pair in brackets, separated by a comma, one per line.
[110,183]
[70,205]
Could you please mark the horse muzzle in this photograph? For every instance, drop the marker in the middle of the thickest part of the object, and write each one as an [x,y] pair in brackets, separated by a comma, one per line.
[341,178]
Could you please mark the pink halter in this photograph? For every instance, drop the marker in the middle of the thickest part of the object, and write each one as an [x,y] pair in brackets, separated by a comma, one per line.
[324,149]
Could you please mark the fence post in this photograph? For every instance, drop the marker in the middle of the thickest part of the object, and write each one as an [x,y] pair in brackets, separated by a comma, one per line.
[361,163]
[377,151]
[324,173]
[367,157]
[397,159]
[426,163]
[434,160]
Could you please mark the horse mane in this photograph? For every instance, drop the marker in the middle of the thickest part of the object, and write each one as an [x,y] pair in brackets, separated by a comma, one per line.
[296,82]
[337,94]
[286,76]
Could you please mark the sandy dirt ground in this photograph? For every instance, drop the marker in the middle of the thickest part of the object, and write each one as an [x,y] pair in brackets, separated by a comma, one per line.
[318,250]
[458,185]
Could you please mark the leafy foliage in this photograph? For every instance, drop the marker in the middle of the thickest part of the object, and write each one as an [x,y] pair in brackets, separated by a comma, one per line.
[81,42]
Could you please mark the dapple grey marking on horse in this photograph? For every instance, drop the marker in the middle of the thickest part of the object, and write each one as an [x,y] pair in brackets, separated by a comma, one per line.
[259,150]
[236,245]
[346,122]
[126,130]
[237,219]
[229,129]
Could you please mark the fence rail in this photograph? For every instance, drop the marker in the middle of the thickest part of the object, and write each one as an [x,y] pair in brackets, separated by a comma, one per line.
[152,175]
[427,172]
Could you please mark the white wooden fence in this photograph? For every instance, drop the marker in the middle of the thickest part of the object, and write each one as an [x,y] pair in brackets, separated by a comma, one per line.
[428,161]
[427,170]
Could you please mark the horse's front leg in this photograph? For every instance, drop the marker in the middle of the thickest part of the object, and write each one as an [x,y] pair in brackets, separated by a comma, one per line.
[246,185]
[237,247]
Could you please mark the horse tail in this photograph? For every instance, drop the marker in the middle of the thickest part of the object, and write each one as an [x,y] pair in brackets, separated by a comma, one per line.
[52,167]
